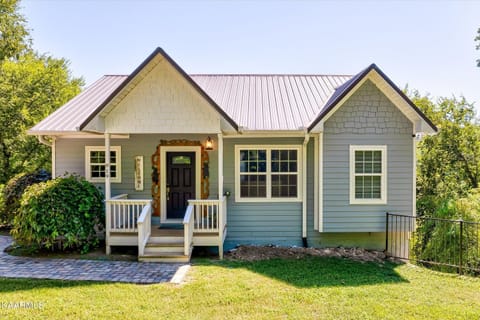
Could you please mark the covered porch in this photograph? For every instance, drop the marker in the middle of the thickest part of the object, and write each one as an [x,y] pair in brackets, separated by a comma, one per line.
[186,207]
[129,223]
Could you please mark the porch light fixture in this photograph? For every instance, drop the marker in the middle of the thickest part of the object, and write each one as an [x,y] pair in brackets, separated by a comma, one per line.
[209,144]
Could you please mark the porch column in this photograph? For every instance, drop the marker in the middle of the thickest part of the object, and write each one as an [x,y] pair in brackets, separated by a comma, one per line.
[221,223]
[107,193]
[107,167]
[220,165]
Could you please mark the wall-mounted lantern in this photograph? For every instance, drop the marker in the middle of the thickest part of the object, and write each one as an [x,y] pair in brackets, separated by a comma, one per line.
[209,144]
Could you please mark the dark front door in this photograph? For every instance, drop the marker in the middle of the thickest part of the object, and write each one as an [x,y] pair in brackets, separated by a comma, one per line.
[180,182]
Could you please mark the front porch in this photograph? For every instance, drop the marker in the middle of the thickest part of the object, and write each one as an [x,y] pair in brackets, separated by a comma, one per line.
[129,223]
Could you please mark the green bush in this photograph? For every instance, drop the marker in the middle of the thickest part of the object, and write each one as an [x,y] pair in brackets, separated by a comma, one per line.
[439,240]
[13,191]
[60,214]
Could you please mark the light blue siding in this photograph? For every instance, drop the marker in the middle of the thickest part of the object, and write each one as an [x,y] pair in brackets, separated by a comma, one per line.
[70,158]
[367,118]
[277,223]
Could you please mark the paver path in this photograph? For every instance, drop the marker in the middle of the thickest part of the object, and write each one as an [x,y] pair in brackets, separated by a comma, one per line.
[71,269]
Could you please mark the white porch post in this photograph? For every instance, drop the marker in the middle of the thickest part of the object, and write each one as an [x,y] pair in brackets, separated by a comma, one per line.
[107,192]
[220,195]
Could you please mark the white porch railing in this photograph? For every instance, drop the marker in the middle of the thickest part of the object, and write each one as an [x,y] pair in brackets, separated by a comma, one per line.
[144,224]
[188,230]
[122,214]
[210,215]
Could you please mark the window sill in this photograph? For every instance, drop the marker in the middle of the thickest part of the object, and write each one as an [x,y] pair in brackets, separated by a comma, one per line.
[368,202]
[265,200]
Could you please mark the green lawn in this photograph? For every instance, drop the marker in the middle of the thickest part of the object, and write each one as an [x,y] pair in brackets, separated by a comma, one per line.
[325,288]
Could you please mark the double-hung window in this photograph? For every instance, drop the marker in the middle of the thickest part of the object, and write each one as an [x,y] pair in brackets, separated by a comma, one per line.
[368,176]
[95,163]
[267,173]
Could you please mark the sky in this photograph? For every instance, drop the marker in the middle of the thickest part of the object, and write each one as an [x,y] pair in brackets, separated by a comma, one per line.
[428,45]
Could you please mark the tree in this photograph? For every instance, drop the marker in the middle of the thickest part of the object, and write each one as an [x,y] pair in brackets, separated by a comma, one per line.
[448,162]
[477,38]
[14,36]
[31,87]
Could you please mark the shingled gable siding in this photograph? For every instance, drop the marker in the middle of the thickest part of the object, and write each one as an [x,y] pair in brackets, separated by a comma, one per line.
[259,222]
[367,118]
[164,102]
[70,156]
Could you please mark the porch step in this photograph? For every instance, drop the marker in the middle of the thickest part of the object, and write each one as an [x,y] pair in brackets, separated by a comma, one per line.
[164,245]
[172,257]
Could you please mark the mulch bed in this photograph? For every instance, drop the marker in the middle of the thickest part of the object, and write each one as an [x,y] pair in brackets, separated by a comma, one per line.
[255,253]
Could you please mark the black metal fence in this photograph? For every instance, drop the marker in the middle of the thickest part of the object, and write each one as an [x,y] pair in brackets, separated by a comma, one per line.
[442,244]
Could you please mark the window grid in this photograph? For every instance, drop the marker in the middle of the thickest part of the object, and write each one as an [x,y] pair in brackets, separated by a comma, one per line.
[95,164]
[368,165]
[268,173]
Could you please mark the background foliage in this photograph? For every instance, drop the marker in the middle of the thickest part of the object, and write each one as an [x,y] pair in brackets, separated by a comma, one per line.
[32,86]
[60,214]
[12,193]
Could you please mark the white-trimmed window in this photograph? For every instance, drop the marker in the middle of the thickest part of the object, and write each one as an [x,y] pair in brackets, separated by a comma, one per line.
[95,163]
[267,173]
[368,174]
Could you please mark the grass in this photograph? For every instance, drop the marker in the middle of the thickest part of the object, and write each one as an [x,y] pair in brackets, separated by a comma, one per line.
[325,288]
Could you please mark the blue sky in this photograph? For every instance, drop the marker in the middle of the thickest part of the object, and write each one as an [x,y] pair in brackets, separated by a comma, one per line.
[425,44]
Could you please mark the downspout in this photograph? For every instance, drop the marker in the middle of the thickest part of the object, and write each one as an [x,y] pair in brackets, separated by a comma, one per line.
[304,190]
[50,144]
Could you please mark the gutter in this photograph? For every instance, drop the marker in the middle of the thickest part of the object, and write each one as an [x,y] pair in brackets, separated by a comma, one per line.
[44,141]
[304,189]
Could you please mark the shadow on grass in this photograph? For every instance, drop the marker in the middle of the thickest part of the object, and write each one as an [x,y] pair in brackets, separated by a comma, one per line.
[323,272]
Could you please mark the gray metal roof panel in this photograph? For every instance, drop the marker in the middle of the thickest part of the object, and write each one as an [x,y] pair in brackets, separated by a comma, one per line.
[270,102]
[254,101]
[71,115]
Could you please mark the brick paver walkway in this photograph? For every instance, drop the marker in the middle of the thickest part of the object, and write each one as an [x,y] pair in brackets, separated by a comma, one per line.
[71,269]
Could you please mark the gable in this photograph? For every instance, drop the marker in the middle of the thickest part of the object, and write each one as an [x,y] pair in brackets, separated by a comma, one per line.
[421,124]
[161,102]
[368,111]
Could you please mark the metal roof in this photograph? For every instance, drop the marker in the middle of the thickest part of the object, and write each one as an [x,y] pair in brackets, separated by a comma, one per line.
[71,115]
[253,101]
[270,101]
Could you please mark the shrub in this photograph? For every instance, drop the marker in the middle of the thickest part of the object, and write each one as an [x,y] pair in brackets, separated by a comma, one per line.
[61,213]
[440,240]
[13,190]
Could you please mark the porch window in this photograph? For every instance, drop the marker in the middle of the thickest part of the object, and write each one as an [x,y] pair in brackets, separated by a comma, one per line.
[368,174]
[95,164]
[267,173]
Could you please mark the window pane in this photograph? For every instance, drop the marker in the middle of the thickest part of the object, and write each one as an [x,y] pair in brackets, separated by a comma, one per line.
[262,155]
[275,166]
[284,166]
[284,185]
[368,167]
[243,155]
[368,156]
[377,156]
[293,167]
[358,167]
[275,155]
[283,154]
[113,156]
[358,156]
[293,154]
[253,186]
[377,167]
[181,160]
[113,171]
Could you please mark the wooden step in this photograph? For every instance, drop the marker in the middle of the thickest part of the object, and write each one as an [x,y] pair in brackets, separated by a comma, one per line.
[172,257]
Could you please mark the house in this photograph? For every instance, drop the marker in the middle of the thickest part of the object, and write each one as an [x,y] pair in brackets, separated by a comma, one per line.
[221,159]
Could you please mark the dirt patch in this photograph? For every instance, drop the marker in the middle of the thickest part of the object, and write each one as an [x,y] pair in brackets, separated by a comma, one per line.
[255,253]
